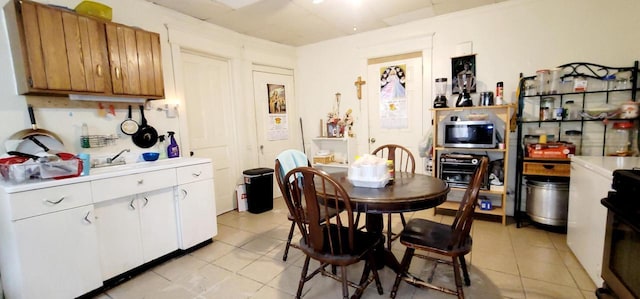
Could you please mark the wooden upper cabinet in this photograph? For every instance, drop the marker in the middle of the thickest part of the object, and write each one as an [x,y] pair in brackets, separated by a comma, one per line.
[134,56]
[86,51]
[45,47]
[57,51]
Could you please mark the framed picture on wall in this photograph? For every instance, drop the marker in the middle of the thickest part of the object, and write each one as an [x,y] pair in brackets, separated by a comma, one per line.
[463,74]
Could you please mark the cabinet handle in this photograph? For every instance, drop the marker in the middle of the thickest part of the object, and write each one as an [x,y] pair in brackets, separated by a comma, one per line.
[131,204]
[55,202]
[86,218]
[184,193]
[197,174]
[146,201]
[99,70]
[140,181]
[117,72]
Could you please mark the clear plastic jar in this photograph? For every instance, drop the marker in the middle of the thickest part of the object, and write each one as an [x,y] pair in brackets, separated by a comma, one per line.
[575,137]
[554,81]
[542,81]
[609,82]
[571,111]
[622,139]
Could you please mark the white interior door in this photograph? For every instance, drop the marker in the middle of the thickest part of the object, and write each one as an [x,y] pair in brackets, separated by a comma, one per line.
[207,92]
[277,123]
[396,108]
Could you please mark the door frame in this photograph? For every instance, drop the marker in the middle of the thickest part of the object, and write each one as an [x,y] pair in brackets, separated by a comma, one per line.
[185,42]
[294,126]
[400,47]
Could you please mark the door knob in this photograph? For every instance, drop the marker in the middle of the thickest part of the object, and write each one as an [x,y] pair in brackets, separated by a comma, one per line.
[372,140]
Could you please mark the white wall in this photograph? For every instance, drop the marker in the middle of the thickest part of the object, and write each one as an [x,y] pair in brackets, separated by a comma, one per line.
[509,38]
[190,33]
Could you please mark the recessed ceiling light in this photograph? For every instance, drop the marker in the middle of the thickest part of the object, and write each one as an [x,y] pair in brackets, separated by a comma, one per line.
[355,28]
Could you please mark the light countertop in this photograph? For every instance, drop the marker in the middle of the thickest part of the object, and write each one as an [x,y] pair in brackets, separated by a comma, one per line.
[606,165]
[105,172]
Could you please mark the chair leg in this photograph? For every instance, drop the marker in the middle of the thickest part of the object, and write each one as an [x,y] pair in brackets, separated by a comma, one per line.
[404,222]
[345,285]
[456,275]
[389,232]
[286,248]
[376,277]
[357,219]
[303,276]
[465,272]
[404,268]
[363,279]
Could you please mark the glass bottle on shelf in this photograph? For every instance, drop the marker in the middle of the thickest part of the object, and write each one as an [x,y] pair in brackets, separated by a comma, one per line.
[574,137]
[622,140]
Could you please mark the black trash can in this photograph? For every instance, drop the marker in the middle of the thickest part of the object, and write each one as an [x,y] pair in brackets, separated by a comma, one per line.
[258,183]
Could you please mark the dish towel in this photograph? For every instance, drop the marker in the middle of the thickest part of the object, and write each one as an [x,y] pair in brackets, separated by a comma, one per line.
[290,159]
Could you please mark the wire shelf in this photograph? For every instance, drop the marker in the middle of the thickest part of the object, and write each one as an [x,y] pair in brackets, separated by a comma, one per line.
[89,141]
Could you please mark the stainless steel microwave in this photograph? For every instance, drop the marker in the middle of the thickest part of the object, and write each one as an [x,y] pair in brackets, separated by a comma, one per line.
[469,134]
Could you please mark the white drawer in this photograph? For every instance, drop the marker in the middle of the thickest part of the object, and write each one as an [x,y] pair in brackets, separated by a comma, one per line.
[41,201]
[195,173]
[131,184]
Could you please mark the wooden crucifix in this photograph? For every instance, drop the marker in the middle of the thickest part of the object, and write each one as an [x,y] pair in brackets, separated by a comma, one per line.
[359,84]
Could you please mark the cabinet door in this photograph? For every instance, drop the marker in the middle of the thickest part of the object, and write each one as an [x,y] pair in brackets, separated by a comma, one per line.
[135,61]
[148,45]
[157,66]
[85,44]
[587,218]
[46,48]
[58,254]
[123,54]
[196,213]
[158,225]
[118,226]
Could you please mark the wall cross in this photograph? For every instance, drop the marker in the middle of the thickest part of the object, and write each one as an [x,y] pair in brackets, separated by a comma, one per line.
[359,84]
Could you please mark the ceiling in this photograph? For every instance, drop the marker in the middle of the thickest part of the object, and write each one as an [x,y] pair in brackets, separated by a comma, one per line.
[301,22]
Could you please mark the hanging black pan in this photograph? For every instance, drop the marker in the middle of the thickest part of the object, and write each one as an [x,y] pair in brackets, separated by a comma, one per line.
[129,126]
[146,136]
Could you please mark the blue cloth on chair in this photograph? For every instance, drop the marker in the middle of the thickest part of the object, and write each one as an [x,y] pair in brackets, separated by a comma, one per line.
[290,159]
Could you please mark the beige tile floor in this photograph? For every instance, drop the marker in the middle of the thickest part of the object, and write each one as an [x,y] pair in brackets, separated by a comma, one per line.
[245,261]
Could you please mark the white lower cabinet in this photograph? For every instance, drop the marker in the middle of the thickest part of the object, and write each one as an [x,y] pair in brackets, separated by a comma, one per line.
[62,257]
[195,205]
[136,229]
[587,217]
[63,239]
[48,243]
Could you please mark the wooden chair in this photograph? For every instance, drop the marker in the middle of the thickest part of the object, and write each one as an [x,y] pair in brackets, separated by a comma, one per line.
[403,161]
[294,158]
[451,241]
[310,194]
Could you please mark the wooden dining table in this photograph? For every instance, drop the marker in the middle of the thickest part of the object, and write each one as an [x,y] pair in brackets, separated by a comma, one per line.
[408,192]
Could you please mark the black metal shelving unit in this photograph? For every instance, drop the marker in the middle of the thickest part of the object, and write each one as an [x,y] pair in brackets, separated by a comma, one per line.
[574,70]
